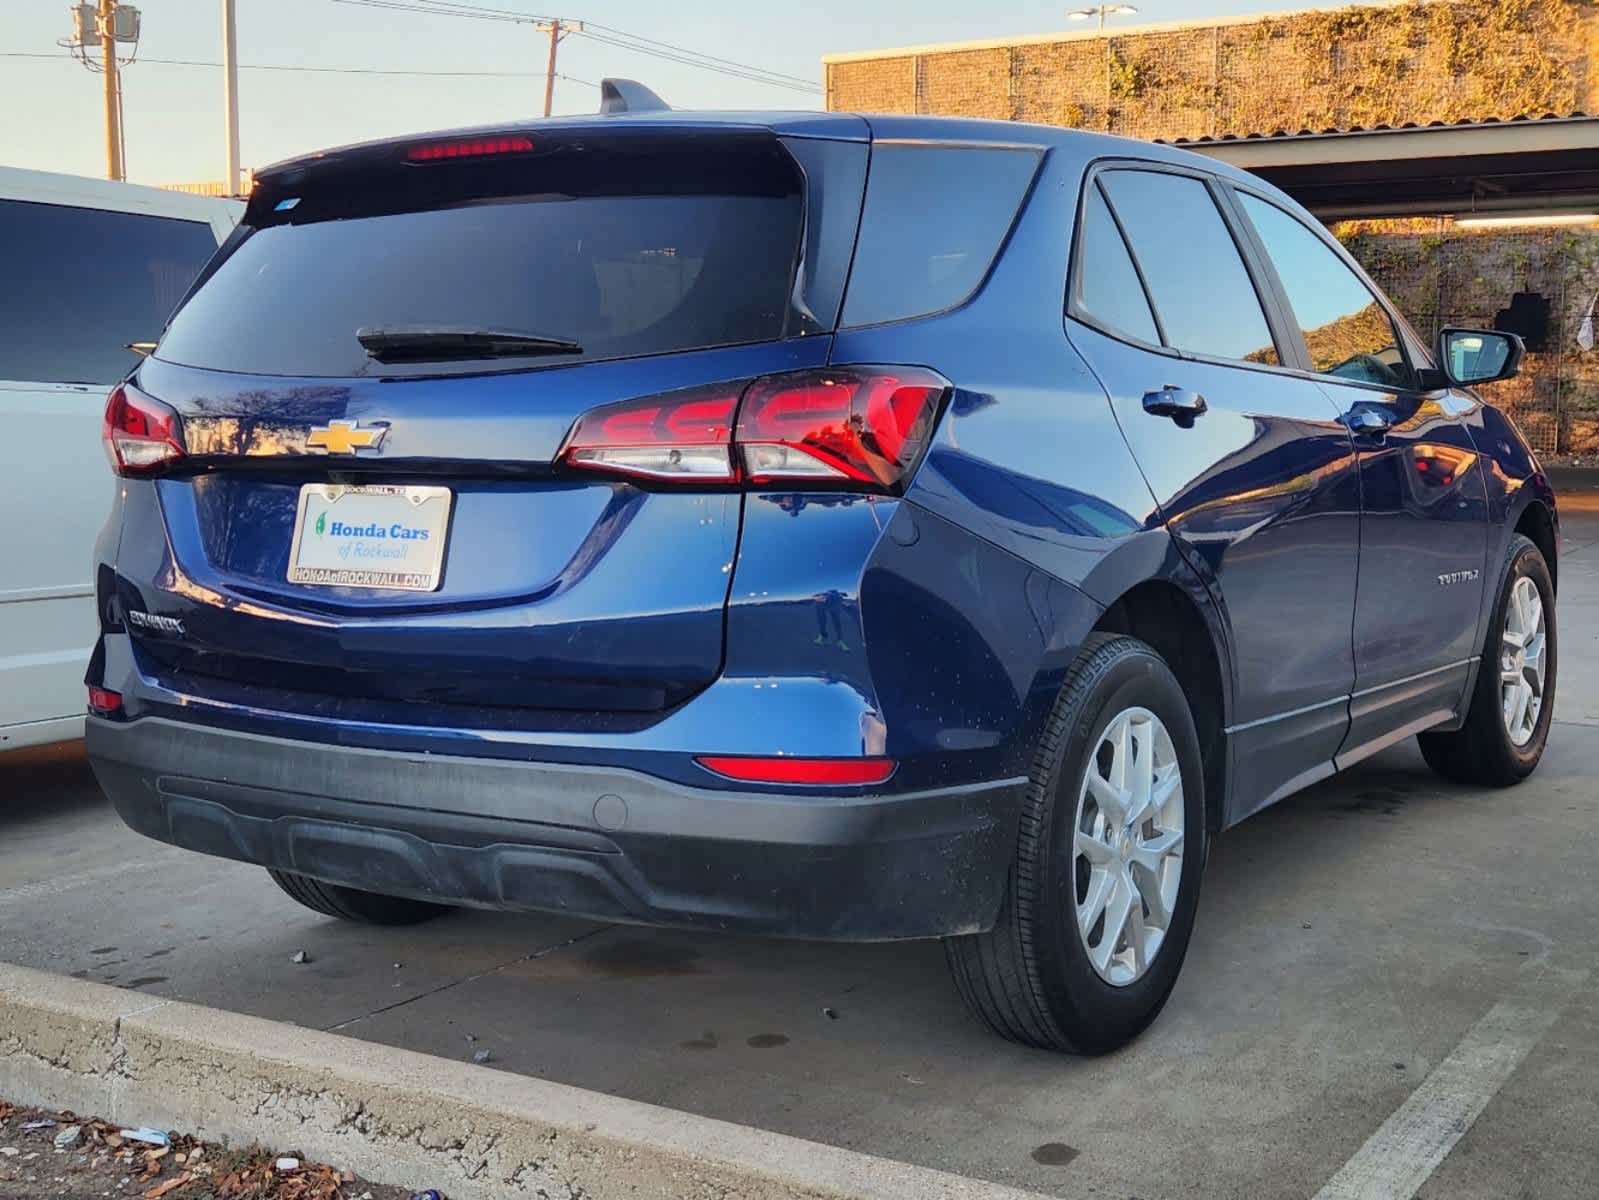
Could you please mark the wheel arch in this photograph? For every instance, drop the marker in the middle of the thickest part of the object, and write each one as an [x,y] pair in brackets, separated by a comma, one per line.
[1537,523]
[1167,616]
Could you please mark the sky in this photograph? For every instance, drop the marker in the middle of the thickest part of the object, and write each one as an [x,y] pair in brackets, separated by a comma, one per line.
[485,71]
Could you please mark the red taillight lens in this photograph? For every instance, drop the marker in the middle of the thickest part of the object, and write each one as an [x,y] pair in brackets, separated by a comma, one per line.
[104,702]
[866,424]
[838,772]
[681,437]
[141,434]
[468,148]
[847,426]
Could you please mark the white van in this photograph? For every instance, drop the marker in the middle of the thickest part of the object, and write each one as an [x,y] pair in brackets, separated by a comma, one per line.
[86,268]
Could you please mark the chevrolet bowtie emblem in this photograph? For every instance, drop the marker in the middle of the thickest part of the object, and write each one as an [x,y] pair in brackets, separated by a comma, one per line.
[345,437]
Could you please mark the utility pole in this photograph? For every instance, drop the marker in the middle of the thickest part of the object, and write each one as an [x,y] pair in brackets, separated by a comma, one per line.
[557,29]
[230,92]
[106,17]
[549,71]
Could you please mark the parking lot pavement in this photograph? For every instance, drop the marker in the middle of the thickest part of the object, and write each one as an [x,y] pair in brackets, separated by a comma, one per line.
[1381,942]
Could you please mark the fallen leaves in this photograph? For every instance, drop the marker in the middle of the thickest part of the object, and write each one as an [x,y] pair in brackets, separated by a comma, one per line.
[183,1168]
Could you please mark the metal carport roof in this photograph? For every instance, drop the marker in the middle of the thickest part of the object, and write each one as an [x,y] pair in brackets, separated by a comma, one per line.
[1520,165]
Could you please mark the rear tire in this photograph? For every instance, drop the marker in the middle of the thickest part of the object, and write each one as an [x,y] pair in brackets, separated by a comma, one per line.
[1483,751]
[349,904]
[1046,975]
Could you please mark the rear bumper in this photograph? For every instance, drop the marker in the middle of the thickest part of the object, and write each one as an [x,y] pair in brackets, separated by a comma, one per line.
[595,842]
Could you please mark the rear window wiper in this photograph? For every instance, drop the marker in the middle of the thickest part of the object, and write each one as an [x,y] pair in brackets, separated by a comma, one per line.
[445,343]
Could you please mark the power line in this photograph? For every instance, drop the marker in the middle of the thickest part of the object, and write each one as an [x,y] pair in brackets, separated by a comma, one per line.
[483,12]
[753,75]
[634,37]
[196,62]
[611,36]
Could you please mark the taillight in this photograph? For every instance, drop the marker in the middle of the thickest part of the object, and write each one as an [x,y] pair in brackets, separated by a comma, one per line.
[861,424]
[103,701]
[141,434]
[812,772]
[685,437]
[853,427]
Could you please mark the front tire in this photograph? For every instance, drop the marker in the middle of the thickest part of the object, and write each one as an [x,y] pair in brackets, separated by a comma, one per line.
[1105,883]
[350,904]
[1513,700]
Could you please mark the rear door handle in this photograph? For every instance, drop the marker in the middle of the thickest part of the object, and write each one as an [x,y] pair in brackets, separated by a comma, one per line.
[1180,404]
[1368,422]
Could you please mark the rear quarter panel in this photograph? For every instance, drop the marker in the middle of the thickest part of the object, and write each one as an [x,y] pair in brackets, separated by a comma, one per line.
[1029,462]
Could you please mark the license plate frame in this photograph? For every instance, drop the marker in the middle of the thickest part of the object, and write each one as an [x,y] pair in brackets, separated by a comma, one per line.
[379,543]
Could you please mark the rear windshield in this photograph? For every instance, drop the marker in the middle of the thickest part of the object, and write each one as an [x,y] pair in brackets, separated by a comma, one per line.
[624,247]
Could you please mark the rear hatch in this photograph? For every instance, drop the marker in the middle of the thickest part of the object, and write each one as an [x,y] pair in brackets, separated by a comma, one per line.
[377,376]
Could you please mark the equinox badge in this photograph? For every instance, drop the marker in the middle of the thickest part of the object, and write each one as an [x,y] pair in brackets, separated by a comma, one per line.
[345,437]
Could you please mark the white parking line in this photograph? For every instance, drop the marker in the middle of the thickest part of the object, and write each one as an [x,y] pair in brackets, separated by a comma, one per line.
[65,883]
[1409,1145]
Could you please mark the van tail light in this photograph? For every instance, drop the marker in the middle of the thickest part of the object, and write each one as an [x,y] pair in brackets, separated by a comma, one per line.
[851,427]
[811,772]
[104,702]
[141,434]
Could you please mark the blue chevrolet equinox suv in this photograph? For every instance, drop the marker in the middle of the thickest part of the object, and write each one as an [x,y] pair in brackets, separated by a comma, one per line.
[811,525]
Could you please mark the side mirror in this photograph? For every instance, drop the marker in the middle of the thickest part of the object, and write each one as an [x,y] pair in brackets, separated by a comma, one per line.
[1473,356]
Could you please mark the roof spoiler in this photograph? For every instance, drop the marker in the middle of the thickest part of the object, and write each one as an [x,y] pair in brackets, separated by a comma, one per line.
[629,96]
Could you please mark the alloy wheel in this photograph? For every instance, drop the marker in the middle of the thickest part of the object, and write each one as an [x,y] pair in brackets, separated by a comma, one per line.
[1127,855]
[1523,661]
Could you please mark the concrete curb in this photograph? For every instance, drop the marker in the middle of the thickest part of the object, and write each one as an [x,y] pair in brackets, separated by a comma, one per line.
[401,1117]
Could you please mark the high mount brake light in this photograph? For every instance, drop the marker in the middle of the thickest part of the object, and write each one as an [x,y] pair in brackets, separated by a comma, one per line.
[468,148]
[141,434]
[855,427]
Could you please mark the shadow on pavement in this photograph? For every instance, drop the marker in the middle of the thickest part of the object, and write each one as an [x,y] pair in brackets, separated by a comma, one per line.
[46,781]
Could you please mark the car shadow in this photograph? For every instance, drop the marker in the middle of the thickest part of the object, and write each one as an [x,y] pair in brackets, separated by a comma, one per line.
[46,781]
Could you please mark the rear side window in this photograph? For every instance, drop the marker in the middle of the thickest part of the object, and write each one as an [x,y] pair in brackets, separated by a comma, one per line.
[81,283]
[1197,279]
[935,217]
[1347,332]
[625,246]
[1108,287]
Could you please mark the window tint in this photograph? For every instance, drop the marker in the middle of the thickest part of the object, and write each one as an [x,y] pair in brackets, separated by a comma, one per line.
[835,175]
[1347,332]
[1197,279]
[80,284]
[1107,285]
[934,220]
[627,248]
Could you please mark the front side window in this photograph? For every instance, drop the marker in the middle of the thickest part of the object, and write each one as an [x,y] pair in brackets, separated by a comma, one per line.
[1197,279]
[1347,332]
[81,283]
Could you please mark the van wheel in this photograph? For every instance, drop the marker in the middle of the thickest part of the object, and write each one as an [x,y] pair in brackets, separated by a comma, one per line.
[349,904]
[1513,700]
[1105,882]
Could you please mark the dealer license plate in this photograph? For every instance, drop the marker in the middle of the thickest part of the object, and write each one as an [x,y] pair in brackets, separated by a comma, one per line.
[370,536]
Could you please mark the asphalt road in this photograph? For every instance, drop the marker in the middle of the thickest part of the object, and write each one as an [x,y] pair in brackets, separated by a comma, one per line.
[1377,960]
